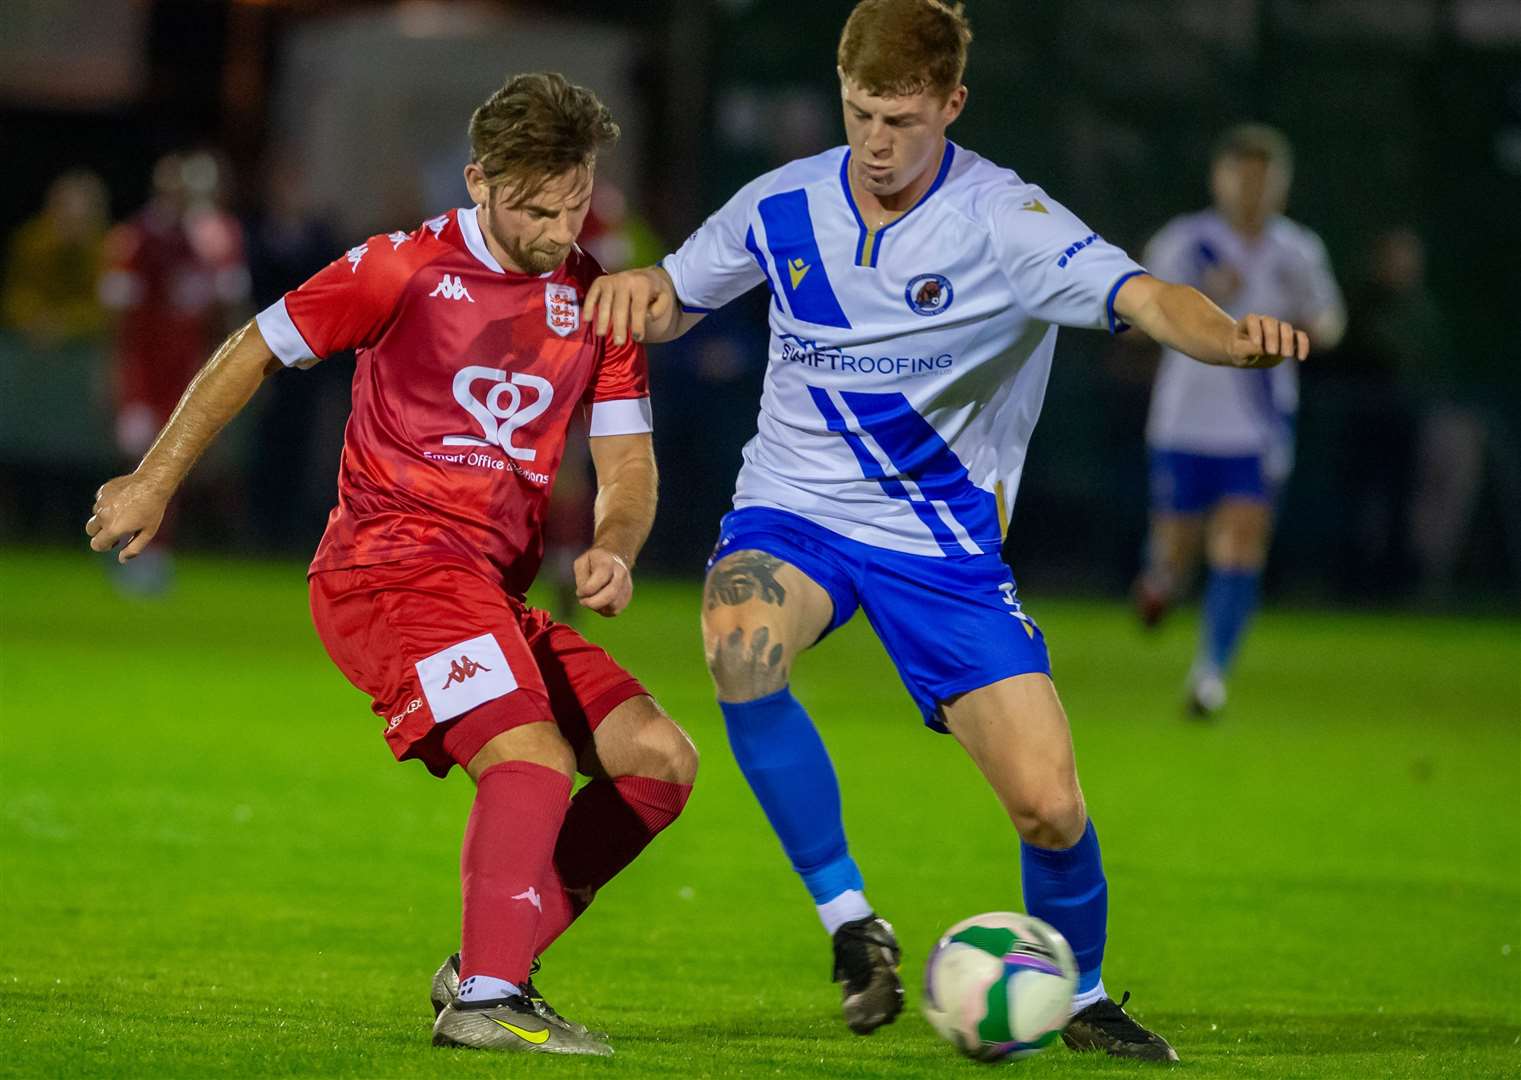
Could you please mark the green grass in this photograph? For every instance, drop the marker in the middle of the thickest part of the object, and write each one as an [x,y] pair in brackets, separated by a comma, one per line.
[212,867]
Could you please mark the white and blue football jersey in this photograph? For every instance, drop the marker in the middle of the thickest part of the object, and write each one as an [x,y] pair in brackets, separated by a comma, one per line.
[1284,272]
[908,363]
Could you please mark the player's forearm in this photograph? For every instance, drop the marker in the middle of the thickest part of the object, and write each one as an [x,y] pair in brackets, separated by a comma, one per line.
[625,507]
[1178,317]
[675,321]
[217,393]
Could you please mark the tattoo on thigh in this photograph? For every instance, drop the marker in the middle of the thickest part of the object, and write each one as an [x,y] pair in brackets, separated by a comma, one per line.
[742,577]
[750,669]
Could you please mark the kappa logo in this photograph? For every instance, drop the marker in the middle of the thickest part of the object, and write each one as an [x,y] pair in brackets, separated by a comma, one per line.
[437,224]
[355,255]
[797,270]
[457,679]
[397,239]
[462,669]
[562,309]
[452,288]
[532,896]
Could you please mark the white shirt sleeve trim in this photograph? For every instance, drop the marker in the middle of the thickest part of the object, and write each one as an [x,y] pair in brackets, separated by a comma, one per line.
[282,337]
[628,416]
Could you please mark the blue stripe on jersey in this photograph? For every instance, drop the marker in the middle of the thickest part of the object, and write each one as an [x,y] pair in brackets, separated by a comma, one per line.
[918,452]
[872,471]
[760,260]
[799,266]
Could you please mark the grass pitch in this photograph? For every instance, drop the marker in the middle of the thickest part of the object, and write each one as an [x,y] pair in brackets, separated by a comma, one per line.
[212,867]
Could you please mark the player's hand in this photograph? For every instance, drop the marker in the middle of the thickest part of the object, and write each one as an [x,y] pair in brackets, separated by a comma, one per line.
[603,582]
[129,508]
[632,302]
[1261,341]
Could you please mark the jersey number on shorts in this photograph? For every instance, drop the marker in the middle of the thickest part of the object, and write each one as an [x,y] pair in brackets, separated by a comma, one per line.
[503,410]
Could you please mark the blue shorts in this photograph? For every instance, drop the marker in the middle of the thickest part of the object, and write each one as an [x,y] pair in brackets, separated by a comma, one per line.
[950,623]
[1183,483]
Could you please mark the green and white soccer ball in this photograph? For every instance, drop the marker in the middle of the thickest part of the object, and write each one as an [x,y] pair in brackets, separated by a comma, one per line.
[1000,985]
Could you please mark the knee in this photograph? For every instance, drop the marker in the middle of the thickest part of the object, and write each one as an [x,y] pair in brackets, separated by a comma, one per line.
[1240,541]
[639,739]
[674,755]
[540,743]
[747,660]
[1053,818]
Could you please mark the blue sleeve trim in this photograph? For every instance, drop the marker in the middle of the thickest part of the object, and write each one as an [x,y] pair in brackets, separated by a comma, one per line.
[1115,325]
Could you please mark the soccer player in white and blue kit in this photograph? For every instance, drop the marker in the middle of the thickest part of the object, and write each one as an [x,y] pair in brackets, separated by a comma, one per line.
[916,290]
[1221,442]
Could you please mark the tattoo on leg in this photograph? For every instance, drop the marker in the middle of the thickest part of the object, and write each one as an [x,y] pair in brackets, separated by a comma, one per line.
[741,577]
[743,671]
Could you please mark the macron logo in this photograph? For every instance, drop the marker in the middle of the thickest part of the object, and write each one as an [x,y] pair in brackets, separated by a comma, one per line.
[451,288]
[532,896]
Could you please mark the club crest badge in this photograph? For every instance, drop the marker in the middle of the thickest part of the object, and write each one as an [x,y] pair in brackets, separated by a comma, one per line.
[928,294]
[562,310]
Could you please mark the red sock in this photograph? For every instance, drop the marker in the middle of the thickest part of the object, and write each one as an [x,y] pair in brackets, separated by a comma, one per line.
[608,824]
[519,808]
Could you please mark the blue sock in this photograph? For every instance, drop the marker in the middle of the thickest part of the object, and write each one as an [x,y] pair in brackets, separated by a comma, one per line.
[1067,889]
[783,758]
[1230,600]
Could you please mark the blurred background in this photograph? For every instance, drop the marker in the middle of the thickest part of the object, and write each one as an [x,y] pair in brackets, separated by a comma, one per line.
[174,165]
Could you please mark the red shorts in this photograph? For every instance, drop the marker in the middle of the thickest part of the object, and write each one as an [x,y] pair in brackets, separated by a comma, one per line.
[451,661]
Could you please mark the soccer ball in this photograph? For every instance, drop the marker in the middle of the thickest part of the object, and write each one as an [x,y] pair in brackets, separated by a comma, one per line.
[1000,985]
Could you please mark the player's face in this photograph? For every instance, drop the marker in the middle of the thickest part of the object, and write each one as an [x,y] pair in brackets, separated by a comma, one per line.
[1248,189]
[894,141]
[536,229]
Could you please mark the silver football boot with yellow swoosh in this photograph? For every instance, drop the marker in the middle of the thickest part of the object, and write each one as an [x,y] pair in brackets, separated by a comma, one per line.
[510,1024]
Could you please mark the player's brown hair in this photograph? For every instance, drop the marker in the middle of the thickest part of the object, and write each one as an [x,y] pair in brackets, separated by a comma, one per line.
[1256,140]
[893,48]
[536,127]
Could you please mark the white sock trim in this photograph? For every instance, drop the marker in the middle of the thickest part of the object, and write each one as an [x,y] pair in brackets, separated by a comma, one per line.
[849,906]
[1088,997]
[486,988]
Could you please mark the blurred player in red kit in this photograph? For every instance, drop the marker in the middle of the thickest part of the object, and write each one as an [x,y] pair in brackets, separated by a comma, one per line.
[472,362]
[175,275]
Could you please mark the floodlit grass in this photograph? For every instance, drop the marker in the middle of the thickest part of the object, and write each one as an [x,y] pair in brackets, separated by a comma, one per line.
[212,867]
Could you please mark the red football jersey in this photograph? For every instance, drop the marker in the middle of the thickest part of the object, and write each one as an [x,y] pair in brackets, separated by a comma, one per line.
[468,376]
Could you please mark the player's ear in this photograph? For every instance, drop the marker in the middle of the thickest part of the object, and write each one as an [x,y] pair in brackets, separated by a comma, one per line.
[475,181]
[955,103]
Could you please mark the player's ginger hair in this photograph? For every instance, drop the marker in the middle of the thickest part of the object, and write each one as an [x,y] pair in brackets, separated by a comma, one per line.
[536,127]
[893,48]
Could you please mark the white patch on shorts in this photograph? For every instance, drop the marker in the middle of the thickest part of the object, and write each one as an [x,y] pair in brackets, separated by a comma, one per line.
[462,676]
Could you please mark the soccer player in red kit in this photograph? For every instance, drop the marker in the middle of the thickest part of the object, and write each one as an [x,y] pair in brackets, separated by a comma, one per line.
[472,361]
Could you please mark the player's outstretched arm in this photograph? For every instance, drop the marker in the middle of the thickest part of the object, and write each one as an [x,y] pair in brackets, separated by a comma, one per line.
[641,304]
[626,491]
[1183,318]
[131,507]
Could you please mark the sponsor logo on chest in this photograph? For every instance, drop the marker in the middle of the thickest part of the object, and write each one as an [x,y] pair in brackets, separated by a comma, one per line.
[562,309]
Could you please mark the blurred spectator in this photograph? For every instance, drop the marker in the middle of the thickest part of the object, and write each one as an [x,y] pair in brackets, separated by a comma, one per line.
[293,470]
[53,268]
[1393,357]
[1416,448]
[176,280]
